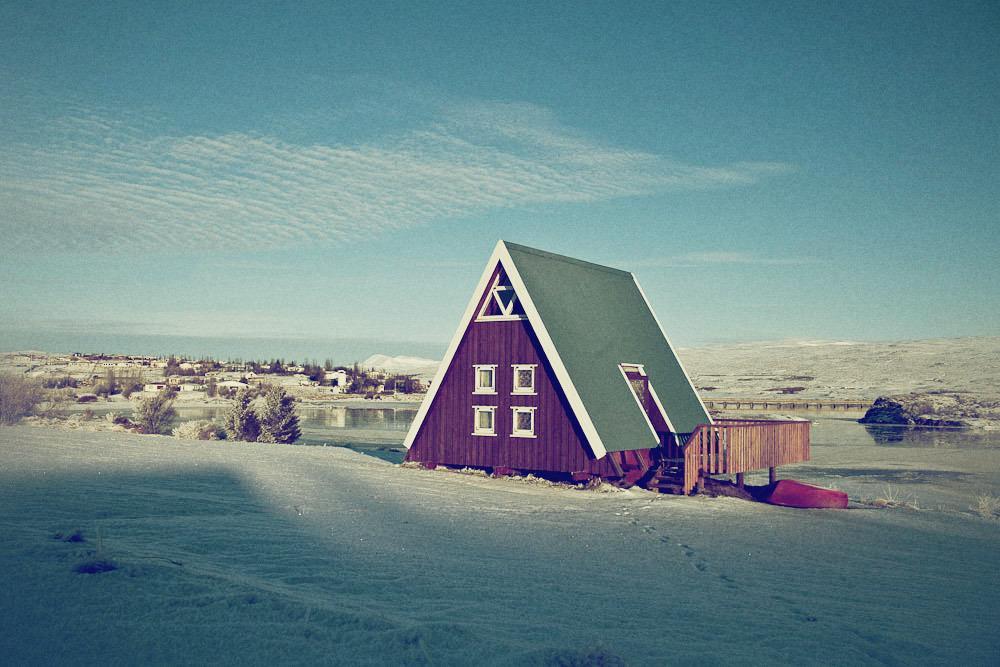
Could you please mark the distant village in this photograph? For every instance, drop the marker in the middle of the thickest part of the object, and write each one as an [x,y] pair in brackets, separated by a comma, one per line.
[92,376]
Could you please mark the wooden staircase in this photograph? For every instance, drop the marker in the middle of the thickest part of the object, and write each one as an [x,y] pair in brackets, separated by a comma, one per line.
[666,474]
[664,479]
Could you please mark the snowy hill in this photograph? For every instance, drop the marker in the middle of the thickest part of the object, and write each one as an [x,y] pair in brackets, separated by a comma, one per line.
[402,364]
[841,369]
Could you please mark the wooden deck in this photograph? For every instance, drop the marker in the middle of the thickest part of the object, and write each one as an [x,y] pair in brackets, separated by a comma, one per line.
[741,445]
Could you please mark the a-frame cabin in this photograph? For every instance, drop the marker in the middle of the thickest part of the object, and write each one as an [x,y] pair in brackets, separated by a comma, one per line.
[560,367]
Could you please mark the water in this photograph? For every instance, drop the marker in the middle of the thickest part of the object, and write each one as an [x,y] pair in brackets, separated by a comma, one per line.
[376,431]
[340,350]
[827,431]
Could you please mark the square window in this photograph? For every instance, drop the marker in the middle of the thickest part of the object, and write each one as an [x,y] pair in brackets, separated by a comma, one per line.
[484,422]
[523,423]
[524,379]
[486,379]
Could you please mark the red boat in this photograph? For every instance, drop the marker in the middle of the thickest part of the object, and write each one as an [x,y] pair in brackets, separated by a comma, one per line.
[789,493]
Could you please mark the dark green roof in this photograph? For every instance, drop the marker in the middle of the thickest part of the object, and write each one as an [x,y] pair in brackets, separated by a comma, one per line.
[597,318]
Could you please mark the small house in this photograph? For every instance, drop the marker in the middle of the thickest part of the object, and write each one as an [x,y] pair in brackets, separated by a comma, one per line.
[230,386]
[560,367]
[338,378]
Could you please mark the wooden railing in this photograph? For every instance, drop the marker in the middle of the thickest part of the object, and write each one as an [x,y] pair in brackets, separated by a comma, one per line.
[741,445]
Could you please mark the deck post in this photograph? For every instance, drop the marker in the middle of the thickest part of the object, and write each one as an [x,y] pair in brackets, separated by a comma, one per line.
[739,480]
[772,475]
[700,486]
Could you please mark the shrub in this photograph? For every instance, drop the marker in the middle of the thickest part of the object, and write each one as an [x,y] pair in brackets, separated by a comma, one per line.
[120,420]
[54,401]
[202,429]
[108,386]
[242,422]
[96,567]
[278,421]
[60,383]
[155,413]
[18,397]
[987,506]
[130,388]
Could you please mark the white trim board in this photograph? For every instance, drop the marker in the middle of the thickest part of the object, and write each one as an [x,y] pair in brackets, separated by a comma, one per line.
[631,389]
[659,406]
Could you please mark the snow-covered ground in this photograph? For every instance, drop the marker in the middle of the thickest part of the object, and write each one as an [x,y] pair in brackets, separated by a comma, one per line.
[844,369]
[262,554]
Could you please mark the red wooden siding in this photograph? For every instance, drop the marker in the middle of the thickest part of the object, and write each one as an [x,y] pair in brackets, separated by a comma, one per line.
[445,437]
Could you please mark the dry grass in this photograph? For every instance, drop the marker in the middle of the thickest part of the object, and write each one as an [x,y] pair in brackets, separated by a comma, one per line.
[987,506]
[893,498]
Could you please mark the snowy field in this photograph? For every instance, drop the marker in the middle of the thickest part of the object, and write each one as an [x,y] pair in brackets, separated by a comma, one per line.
[263,554]
[845,369]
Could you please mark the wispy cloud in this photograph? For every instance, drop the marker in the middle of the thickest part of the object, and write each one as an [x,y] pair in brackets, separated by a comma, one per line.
[719,257]
[120,181]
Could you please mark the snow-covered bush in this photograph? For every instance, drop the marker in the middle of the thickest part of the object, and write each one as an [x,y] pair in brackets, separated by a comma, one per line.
[242,422]
[201,429]
[278,421]
[155,413]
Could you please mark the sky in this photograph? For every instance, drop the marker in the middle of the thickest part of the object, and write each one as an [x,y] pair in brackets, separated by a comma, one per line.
[325,171]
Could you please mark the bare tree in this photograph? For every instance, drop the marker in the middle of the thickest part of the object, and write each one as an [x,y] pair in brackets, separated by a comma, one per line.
[18,397]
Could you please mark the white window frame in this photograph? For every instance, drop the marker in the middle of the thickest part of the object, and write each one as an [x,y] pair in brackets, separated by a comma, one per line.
[514,431]
[521,391]
[492,410]
[627,368]
[507,312]
[484,390]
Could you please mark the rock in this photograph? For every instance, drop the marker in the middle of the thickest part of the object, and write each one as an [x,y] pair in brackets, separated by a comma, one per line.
[931,409]
[887,411]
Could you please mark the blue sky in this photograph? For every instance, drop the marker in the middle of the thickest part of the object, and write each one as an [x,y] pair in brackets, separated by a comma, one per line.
[768,170]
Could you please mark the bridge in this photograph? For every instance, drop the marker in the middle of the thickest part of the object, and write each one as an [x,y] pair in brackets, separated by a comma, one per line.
[805,404]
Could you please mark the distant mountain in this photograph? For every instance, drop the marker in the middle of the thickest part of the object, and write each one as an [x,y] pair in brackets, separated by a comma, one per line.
[402,364]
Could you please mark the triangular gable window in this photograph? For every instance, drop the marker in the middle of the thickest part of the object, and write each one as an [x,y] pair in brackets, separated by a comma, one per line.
[505,296]
[502,302]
